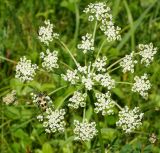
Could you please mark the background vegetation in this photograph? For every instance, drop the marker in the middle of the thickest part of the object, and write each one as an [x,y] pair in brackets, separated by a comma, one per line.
[19,22]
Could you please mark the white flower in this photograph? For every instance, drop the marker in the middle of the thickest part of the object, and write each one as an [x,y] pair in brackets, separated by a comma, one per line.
[49,60]
[100,12]
[53,121]
[104,103]
[84,131]
[141,85]
[105,80]
[87,43]
[128,63]
[40,118]
[153,138]
[129,120]
[88,82]
[112,32]
[100,63]
[9,98]
[77,100]
[82,69]
[147,51]
[71,76]
[46,33]
[25,70]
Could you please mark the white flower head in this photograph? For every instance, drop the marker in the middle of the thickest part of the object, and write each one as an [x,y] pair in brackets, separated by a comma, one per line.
[77,100]
[82,69]
[100,64]
[141,85]
[147,51]
[112,32]
[88,82]
[128,63]
[71,76]
[9,98]
[25,70]
[46,33]
[101,12]
[49,60]
[104,103]
[84,131]
[105,80]
[129,120]
[153,138]
[97,11]
[87,43]
[53,121]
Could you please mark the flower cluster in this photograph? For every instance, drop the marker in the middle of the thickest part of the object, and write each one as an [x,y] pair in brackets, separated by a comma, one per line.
[53,121]
[141,85]
[77,100]
[104,103]
[105,80]
[25,70]
[87,43]
[46,33]
[147,51]
[100,64]
[49,60]
[153,138]
[10,98]
[88,77]
[84,131]
[92,75]
[129,120]
[128,63]
[100,12]
[71,76]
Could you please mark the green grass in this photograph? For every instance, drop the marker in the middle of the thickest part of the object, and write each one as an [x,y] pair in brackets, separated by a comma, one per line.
[19,22]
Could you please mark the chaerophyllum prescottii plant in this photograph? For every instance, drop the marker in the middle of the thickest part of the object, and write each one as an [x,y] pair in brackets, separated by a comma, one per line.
[92,78]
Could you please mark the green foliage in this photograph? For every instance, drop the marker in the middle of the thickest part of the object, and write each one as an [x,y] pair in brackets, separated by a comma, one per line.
[20,130]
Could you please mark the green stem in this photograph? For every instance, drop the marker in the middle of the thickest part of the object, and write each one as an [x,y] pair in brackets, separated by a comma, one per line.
[77,23]
[100,48]
[118,105]
[84,113]
[99,133]
[116,62]
[99,53]
[66,65]
[54,91]
[130,18]
[94,31]
[97,123]
[114,69]
[69,52]
[9,60]
[121,82]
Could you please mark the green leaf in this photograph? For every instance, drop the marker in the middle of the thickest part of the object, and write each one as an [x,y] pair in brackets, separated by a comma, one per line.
[59,101]
[46,148]
[126,148]
[108,133]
